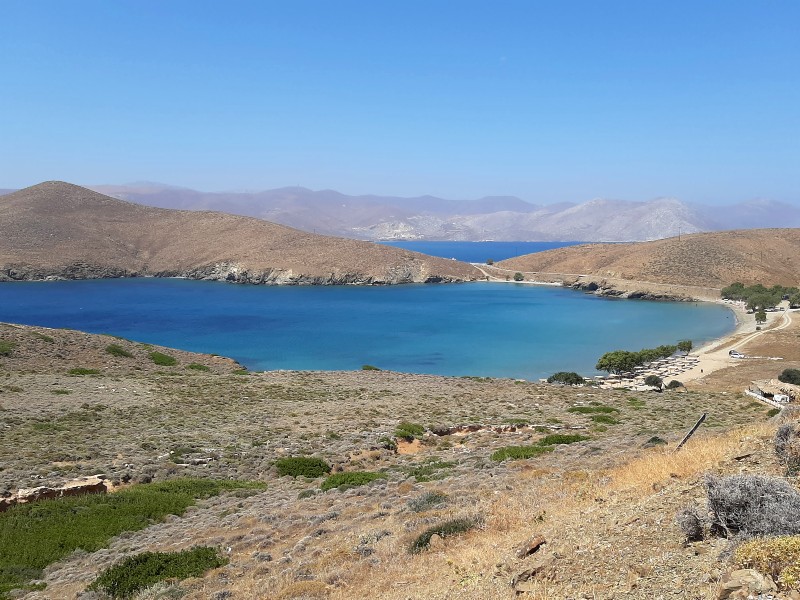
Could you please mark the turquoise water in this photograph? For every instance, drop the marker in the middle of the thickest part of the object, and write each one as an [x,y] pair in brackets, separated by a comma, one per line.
[486,329]
[478,251]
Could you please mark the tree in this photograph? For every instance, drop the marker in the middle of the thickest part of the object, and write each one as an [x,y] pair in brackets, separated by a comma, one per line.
[761,316]
[794,300]
[685,346]
[654,381]
[518,276]
[618,361]
[566,377]
[790,376]
[490,261]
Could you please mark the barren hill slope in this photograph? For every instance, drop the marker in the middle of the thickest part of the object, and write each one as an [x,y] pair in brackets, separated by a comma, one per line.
[768,256]
[56,229]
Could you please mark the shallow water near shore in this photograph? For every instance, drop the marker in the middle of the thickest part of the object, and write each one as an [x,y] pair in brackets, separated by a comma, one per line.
[482,329]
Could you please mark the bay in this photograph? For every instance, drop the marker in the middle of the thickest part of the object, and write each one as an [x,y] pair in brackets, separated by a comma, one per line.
[481,329]
[477,252]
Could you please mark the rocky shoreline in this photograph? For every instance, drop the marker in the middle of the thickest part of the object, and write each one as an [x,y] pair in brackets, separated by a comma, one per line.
[604,289]
[229,272]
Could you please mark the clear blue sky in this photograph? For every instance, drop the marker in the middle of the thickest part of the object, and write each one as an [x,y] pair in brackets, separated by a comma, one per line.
[549,101]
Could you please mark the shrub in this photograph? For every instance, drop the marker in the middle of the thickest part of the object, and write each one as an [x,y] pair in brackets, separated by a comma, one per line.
[590,410]
[409,431]
[778,557]
[35,535]
[519,452]
[135,573]
[490,261]
[605,419]
[446,529]
[198,367]
[772,412]
[752,505]
[566,377]
[691,524]
[561,438]
[61,392]
[163,360]
[674,384]
[787,447]
[302,466]
[431,470]
[369,368]
[240,371]
[43,337]
[82,371]
[350,479]
[790,376]
[427,501]
[6,346]
[685,346]
[518,276]
[654,441]
[117,350]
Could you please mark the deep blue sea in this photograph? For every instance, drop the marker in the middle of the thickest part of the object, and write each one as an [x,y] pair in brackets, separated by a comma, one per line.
[478,252]
[486,329]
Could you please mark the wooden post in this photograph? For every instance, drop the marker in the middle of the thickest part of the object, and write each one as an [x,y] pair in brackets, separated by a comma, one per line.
[691,432]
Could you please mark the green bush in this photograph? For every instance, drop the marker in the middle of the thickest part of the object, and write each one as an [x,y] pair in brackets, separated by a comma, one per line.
[117,350]
[198,367]
[409,431]
[790,376]
[590,410]
[518,276]
[605,419]
[35,535]
[772,412]
[350,479]
[302,466]
[135,573]
[431,470]
[369,368]
[82,371]
[6,346]
[674,384]
[561,438]
[446,529]
[163,360]
[566,377]
[43,337]
[654,381]
[61,392]
[518,452]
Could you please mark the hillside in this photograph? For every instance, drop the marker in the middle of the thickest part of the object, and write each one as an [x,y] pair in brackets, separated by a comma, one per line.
[56,229]
[711,260]
[497,218]
[604,505]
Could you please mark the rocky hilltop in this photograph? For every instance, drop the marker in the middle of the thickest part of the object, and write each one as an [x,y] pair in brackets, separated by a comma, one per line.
[708,260]
[56,230]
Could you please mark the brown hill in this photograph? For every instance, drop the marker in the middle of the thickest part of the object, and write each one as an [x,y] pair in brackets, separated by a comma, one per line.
[768,256]
[56,229]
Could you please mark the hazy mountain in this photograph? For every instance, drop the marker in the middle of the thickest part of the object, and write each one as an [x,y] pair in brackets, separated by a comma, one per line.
[55,229]
[508,218]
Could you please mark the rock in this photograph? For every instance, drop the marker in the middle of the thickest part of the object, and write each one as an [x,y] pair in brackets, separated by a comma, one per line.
[745,582]
[542,567]
[530,546]
[436,542]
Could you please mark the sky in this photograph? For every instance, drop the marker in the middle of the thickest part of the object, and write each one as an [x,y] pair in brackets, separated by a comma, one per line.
[549,101]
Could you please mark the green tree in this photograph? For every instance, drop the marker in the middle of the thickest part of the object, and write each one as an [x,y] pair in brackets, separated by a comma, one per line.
[518,276]
[685,346]
[567,377]
[618,361]
[794,300]
[490,261]
[654,381]
[761,316]
[790,376]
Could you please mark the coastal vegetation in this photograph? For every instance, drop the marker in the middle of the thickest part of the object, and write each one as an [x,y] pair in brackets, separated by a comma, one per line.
[163,360]
[350,479]
[34,535]
[624,361]
[140,571]
[567,378]
[759,297]
[790,376]
[302,466]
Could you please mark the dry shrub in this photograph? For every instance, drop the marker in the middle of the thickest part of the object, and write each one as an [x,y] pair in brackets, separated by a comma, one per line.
[752,505]
[778,556]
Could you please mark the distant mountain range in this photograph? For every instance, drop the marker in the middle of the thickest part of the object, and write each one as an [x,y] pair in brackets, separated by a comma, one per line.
[501,218]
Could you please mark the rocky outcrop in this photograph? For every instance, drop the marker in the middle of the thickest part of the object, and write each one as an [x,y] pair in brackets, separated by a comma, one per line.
[602,288]
[87,485]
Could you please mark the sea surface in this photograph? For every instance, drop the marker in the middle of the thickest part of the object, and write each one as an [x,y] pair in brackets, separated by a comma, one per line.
[478,252]
[481,329]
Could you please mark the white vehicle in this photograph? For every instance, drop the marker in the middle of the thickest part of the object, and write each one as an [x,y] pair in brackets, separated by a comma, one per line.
[735,354]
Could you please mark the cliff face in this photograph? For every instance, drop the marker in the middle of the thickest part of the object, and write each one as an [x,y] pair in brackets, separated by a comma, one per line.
[57,230]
